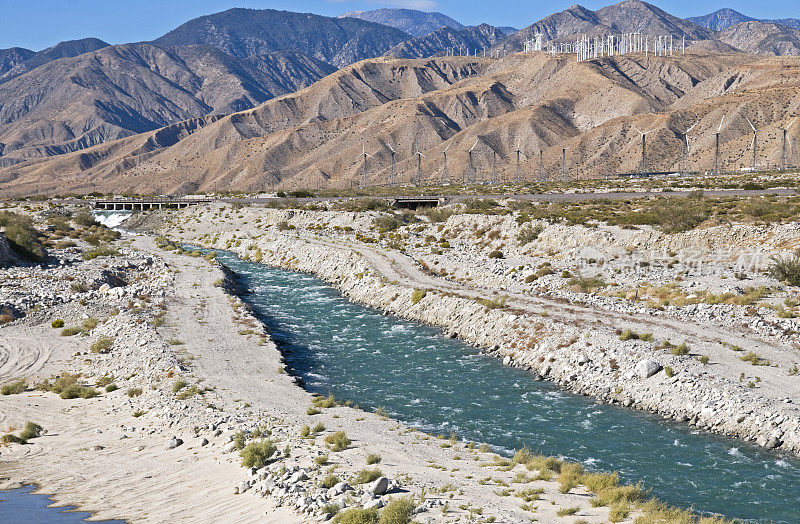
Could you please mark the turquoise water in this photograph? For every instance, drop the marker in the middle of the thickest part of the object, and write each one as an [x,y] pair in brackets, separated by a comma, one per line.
[21,506]
[442,386]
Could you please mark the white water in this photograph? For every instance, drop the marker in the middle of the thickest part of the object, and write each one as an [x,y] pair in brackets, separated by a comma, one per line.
[112,219]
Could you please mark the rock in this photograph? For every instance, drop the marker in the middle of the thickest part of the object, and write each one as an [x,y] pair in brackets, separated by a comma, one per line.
[140,448]
[376,504]
[647,368]
[241,487]
[204,442]
[341,487]
[772,443]
[104,288]
[230,446]
[379,487]
[97,448]
[174,443]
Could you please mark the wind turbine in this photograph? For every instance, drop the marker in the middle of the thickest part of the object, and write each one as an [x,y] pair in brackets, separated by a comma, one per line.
[783,146]
[445,177]
[393,176]
[716,151]
[686,143]
[517,171]
[541,164]
[643,164]
[469,175]
[419,166]
[754,144]
[364,173]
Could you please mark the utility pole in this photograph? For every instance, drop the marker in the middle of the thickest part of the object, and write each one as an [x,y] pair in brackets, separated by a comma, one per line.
[445,177]
[364,172]
[563,163]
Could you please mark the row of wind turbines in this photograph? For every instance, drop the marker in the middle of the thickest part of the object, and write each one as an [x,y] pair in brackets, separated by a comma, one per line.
[470,175]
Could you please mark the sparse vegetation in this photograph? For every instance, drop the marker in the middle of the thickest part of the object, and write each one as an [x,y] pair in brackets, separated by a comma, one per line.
[256,454]
[373,458]
[366,476]
[418,295]
[14,388]
[102,345]
[57,324]
[338,441]
[786,268]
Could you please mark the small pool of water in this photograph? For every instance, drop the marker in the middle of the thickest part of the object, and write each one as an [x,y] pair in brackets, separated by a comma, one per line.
[445,386]
[22,506]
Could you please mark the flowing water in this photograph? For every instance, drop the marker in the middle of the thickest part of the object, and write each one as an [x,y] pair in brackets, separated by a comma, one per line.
[444,386]
[21,506]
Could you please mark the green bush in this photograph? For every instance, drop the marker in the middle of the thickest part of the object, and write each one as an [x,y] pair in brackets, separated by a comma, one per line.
[22,236]
[398,511]
[70,331]
[357,516]
[496,254]
[367,475]
[680,350]
[111,388]
[373,458]
[330,480]
[77,391]
[99,251]
[179,385]
[338,441]
[134,392]
[31,430]
[529,233]
[57,324]
[102,345]
[14,388]
[418,295]
[324,402]
[256,454]
[786,269]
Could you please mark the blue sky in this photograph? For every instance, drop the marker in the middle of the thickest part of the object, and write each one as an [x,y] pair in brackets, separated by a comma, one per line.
[37,24]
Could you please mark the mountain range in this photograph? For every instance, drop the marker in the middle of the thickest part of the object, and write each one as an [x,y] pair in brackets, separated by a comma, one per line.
[725,18]
[251,96]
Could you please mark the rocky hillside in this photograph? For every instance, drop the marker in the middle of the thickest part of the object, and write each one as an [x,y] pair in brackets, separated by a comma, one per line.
[67,49]
[724,18]
[10,58]
[314,137]
[118,91]
[444,41]
[763,38]
[248,32]
[410,21]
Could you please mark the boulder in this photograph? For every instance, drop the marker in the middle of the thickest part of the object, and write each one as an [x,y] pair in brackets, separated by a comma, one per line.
[379,487]
[647,368]
[174,443]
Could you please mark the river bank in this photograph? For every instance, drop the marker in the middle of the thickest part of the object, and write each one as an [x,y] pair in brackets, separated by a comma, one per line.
[182,374]
[608,348]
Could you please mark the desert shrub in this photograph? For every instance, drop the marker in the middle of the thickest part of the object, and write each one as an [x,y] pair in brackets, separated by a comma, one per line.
[188,392]
[680,350]
[99,251]
[321,460]
[586,284]
[85,219]
[330,509]
[31,430]
[10,438]
[283,225]
[360,205]
[305,431]
[70,331]
[239,439]
[367,475]
[529,233]
[418,295]
[179,385]
[398,511]
[373,458]
[522,456]
[496,254]
[89,324]
[102,344]
[57,324]
[753,358]
[786,269]
[319,427]
[438,214]
[59,384]
[669,371]
[386,223]
[78,391]
[256,454]
[14,388]
[111,388]
[338,441]
[563,512]
[330,480]
[22,236]
[356,516]
[311,411]
[324,402]
[134,392]
[569,477]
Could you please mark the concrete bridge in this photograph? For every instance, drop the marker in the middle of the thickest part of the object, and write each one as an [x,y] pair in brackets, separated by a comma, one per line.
[416,202]
[144,204]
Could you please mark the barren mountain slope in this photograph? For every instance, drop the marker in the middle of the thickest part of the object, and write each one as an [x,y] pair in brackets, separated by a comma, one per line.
[10,58]
[73,103]
[444,41]
[415,23]
[314,137]
[763,38]
[66,49]
[249,32]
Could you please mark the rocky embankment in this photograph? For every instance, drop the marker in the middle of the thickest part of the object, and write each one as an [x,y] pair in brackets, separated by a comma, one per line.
[583,350]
